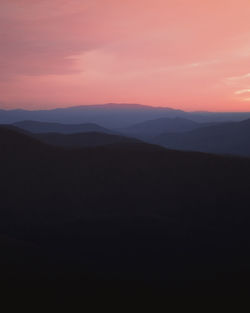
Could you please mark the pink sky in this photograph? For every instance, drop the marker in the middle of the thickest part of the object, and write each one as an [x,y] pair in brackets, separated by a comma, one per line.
[187,54]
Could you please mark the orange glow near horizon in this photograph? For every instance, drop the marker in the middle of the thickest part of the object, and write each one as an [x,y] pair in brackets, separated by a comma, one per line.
[191,55]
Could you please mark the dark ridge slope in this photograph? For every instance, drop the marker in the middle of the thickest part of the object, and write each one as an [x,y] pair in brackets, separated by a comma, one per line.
[89,139]
[156,127]
[43,127]
[226,138]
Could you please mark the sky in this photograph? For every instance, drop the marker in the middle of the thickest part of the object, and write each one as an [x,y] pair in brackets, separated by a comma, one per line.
[186,54]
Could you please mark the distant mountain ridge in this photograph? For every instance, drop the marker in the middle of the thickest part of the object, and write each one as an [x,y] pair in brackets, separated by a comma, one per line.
[106,115]
[113,115]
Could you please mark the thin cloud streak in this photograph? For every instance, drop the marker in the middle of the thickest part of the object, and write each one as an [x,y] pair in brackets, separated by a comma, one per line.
[245,76]
[240,92]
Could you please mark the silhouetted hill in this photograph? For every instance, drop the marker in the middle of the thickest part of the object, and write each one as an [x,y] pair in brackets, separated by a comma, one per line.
[113,115]
[125,212]
[152,128]
[12,137]
[226,138]
[43,127]
[88,139]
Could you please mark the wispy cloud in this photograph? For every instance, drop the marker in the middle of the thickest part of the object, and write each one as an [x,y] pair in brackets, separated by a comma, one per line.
[243,91]
[241,77]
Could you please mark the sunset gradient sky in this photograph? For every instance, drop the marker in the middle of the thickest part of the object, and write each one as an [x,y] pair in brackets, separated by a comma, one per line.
[186,54]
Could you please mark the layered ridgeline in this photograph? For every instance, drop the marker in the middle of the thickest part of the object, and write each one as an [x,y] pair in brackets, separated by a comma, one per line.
[224,138]
[175,129]
[175,133]
[122,211]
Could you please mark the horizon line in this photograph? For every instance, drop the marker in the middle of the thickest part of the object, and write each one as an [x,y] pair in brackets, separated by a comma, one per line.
[119,105]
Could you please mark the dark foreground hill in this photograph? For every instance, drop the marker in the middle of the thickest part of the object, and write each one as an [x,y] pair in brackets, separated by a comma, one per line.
[122,213]
[225,138]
